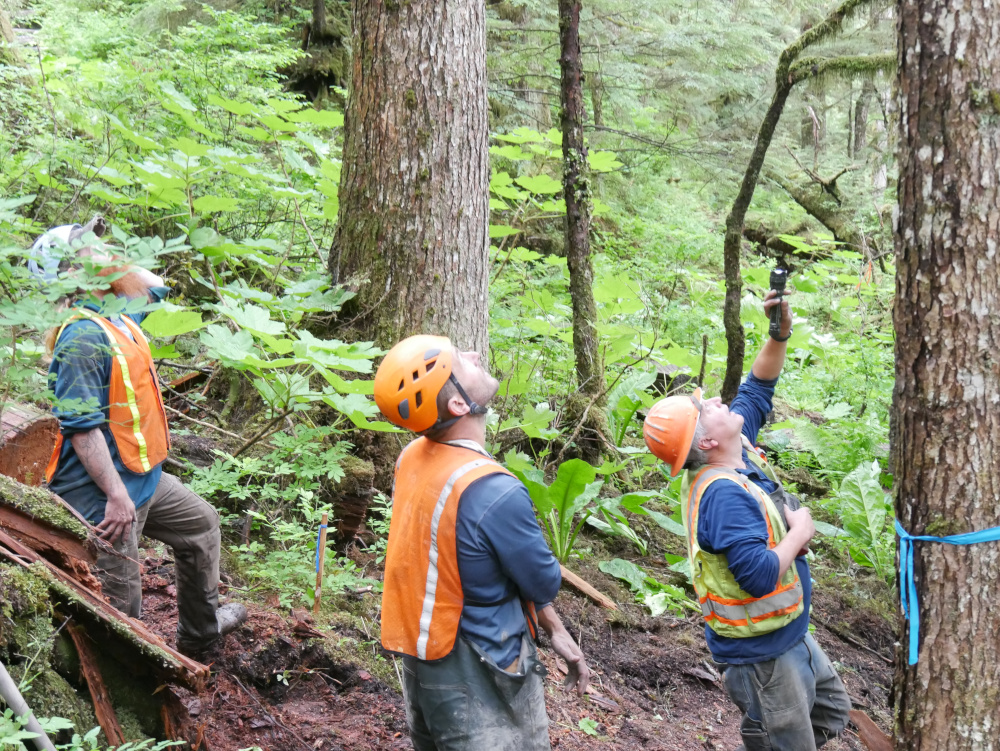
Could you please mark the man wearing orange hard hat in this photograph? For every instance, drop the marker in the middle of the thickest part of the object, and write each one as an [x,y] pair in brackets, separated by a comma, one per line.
[466,564]
[747,540]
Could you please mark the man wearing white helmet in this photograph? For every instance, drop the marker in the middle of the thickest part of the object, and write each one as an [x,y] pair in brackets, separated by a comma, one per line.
[113,440]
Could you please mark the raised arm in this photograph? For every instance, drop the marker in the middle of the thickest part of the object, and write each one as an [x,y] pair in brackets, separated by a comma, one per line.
[771,358]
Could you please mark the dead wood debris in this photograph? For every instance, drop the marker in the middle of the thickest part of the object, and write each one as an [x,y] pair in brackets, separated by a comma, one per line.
[34,537]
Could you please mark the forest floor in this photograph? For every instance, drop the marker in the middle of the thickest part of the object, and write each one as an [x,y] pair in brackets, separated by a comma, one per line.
[284,683]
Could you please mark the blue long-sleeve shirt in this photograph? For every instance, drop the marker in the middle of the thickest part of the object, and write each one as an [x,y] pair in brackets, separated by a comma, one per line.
[80,378]
[730,523]
[502,557]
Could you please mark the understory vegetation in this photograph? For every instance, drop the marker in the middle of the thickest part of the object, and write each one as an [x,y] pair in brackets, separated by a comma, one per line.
[175,121]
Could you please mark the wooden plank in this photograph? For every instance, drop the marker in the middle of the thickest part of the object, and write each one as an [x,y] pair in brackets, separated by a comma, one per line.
[870,733]
[105,712]
[582,586]
[182,669]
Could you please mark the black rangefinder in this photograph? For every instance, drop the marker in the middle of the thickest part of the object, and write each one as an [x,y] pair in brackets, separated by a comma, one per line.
[778,279]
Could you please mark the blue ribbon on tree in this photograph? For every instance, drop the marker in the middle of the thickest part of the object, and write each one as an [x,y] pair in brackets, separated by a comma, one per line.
[319,534]
[907,584]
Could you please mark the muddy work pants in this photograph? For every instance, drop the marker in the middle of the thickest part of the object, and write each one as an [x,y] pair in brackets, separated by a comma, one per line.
[466,703]
[189,525]
[795,702]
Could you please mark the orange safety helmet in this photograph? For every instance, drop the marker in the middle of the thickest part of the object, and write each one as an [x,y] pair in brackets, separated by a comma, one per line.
[411,376]
[409,379]
[669,429]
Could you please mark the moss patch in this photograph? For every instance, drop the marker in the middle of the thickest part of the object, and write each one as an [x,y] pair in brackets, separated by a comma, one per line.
[41,505]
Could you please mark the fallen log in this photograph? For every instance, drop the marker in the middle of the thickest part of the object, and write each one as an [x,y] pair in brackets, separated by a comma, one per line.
[582,586]
[26,440]
[51,528]
[106,716]
[85,604]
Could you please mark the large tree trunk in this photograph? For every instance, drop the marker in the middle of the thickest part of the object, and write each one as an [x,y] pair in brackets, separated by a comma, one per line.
[946,429]
[414,207]
[576,190]
[8,54]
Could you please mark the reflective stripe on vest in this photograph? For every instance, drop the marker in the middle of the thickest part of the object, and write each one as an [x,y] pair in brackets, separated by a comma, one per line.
[727,609]
[422,598]
[150,443]
[430,589]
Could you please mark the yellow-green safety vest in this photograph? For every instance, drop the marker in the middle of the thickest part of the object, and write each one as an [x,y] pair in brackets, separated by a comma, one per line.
[727,608]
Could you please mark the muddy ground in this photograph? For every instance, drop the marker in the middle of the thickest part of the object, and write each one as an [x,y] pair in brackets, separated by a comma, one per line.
[284,682]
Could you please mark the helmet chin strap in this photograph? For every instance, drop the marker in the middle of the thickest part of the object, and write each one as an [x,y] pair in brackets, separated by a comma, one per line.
[474,409]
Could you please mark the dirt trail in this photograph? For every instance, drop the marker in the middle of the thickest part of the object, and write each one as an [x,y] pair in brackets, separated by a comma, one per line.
[653,677]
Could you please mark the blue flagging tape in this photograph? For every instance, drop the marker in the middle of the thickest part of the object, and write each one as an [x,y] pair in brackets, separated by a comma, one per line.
[907,584]
[319,533]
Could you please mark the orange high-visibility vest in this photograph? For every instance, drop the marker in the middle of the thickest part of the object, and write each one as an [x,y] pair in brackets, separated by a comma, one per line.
[422,595]
[136,417]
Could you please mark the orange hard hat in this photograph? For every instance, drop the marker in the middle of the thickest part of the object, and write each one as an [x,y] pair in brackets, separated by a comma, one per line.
[669,429]
[409,379]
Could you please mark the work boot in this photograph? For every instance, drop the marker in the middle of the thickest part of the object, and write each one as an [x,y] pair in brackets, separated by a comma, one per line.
[230,617]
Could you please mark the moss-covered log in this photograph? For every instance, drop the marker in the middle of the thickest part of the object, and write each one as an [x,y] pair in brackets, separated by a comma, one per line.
[820,205]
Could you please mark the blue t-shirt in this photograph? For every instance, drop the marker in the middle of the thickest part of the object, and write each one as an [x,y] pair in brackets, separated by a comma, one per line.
[502,557]
[730,523]
[80,377]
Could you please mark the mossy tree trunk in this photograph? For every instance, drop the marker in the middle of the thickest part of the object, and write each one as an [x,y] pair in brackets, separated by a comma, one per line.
[414,205]
[789,72]
[946,427]
[861,118]
[577,192]
[319,18]
[8,54]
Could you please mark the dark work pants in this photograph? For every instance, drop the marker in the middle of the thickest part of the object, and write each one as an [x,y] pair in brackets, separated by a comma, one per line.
[189,525]
[466,703]
[795,702]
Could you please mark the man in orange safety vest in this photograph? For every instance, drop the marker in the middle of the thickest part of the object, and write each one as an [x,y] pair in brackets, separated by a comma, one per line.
[467,571]
[114,438]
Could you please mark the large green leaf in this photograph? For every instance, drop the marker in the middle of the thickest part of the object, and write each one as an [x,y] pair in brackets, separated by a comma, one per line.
[172,322]
[573,488]
[863,503]
[254,318]
[225,345]
[539,184]
[627,571]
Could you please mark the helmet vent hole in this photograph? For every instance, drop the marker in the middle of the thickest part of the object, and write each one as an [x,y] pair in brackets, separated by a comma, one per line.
[430,366]
[416,374]
[419,398]
[402,384]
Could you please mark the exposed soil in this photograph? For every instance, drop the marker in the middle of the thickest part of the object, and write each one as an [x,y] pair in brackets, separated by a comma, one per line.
[278,686]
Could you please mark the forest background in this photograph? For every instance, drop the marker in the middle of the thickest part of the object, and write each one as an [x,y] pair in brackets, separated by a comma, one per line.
[211,138]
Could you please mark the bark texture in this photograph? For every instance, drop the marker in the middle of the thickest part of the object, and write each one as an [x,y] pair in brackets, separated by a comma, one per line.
[8,54]
[946,431]
[576,190]
[861,118]
[414,206]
